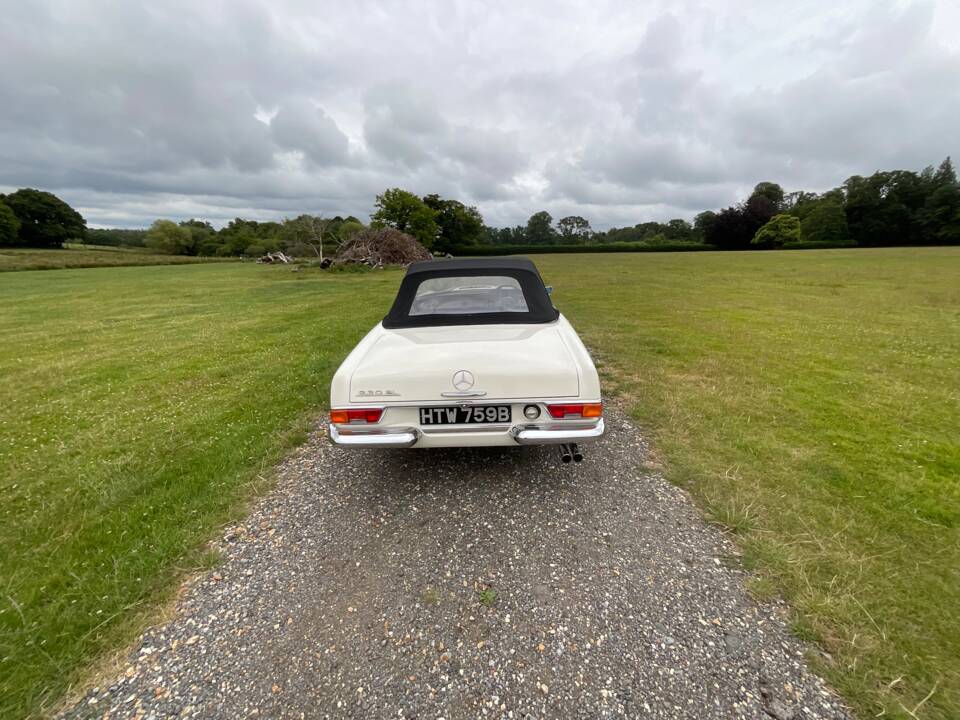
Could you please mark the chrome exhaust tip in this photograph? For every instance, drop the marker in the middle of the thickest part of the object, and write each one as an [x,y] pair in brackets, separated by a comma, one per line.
[575,452]
[565,455]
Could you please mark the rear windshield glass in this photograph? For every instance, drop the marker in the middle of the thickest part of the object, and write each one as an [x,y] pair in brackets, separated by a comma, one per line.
[471,292]
[468,295]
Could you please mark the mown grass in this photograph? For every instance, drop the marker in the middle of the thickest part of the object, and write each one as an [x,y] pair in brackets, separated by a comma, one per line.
[808,399]
[138,409]
[811,402]
[81,256]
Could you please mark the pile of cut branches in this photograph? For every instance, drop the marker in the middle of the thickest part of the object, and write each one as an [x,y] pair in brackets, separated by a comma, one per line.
[377,248]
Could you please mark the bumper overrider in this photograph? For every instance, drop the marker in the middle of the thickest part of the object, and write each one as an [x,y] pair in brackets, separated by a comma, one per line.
[521,434]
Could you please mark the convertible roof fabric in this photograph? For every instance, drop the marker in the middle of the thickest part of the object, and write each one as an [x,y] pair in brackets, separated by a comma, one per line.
[539,307]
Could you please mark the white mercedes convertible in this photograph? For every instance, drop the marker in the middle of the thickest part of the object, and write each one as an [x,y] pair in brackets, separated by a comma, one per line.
[472,353]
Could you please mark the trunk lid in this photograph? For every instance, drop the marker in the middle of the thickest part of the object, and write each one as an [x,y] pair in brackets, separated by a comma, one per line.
[418,364]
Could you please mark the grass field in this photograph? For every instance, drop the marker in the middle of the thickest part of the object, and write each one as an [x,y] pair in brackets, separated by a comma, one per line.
[80,256]
[810,400]
[139,406]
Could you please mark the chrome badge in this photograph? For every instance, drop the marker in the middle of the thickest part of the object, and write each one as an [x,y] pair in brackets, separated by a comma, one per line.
[463,380]
[378,393]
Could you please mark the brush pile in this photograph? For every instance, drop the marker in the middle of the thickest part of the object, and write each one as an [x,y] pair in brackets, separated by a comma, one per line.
[378,248]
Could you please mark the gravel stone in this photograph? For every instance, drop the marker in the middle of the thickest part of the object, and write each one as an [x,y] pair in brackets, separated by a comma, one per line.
[470,583]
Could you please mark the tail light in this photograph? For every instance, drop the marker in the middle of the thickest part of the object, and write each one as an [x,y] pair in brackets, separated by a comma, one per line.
[357,415]
[584,410]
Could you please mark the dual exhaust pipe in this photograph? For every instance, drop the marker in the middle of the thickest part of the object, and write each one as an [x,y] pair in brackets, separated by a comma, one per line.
[570,451]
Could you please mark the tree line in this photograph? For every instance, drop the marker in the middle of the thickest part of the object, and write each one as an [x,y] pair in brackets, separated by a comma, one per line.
[898,207]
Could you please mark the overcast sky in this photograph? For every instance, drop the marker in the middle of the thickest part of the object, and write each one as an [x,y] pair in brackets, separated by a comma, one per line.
[622,111]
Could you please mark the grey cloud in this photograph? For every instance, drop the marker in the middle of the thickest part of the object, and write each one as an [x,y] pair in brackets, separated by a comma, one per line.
[301,126]
[618,111]
[401,122]
[691,140]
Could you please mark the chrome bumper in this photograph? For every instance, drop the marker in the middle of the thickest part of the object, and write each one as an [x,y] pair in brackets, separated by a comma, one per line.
[376,438]
[404,437]
[538,435]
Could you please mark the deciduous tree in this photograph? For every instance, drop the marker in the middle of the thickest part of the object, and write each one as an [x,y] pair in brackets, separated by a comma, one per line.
[168,237]
[779,231]
[771,191]
[703,221]
[458,225]
[407,213]
[574,229]
[45,219]
[825,223]
[9,225]
[539,229]
[307,233]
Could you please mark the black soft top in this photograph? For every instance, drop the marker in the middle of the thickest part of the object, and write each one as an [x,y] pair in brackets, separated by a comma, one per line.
[539,307]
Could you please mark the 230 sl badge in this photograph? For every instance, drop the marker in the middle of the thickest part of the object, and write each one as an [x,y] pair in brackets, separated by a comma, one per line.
[378,393]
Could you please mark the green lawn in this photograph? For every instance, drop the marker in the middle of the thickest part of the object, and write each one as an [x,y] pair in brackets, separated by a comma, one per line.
[80,256]
[138,406]
[810,400]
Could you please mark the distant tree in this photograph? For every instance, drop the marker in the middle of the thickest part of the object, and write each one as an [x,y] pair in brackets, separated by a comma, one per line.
[624,235]
[735,227]
[946,174]
[779,231]
[202,237]
[45,219]
[759,209]
[795,199]
[236,236]
[702,223]
[507,236]
[198,224]
[939,218]
[678,230]
[539,230]
[407,213]
[883,209]
[306,233]
[168,237]
[9,226]
[771,191]
[348,228]
[825,223]
[574,229]
[458,225]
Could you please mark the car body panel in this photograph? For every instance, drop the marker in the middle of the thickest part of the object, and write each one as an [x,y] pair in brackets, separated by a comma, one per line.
[505,361]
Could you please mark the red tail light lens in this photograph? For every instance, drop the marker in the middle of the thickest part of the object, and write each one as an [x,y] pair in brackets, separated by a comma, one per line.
[586,410]
[360,415]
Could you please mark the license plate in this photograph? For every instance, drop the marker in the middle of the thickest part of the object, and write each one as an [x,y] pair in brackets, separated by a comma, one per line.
[465,415]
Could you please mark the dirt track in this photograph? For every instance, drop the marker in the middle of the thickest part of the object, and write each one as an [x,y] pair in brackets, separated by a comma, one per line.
[463,584]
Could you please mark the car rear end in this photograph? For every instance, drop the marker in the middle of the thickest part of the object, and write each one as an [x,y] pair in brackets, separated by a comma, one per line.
[472,353]
[527,421]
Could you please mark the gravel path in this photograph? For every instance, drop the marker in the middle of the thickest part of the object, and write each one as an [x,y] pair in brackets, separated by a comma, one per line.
[465,584]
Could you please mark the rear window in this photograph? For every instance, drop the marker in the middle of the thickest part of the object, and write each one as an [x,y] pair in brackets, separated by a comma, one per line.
[468,295]
[471,292]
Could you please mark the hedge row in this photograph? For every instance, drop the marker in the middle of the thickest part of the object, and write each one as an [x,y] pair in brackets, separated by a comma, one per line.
[484,250]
